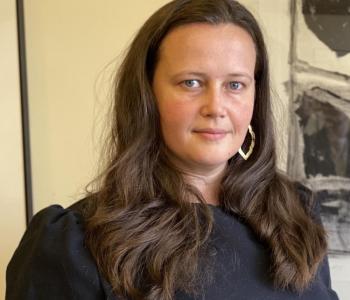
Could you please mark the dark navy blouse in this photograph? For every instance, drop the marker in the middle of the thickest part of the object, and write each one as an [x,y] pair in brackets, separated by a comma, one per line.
[51,262]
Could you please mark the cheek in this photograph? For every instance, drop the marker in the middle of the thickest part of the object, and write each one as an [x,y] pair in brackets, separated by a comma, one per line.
[249,114]
[174,116]
[241,116]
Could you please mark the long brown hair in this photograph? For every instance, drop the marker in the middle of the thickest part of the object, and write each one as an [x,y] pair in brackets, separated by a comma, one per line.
[148,240]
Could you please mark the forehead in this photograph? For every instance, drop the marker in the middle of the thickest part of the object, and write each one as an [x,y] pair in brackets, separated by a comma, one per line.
[196,30]
[207,45]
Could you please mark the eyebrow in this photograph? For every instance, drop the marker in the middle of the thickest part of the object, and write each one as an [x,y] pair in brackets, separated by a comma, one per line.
[242,74]
[199,74]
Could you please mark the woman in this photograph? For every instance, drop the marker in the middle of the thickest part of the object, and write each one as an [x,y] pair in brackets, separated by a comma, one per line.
[190,204]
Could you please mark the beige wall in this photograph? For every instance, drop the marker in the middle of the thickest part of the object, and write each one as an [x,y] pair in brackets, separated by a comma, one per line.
[12,215]
[68,45]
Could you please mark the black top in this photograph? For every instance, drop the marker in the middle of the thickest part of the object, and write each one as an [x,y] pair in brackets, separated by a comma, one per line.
[51,262]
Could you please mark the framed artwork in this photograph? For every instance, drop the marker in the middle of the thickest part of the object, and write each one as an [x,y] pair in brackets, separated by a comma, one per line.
[319,137]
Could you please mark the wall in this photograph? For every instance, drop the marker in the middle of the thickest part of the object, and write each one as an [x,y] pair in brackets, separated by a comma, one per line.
[12,214]
[69,44]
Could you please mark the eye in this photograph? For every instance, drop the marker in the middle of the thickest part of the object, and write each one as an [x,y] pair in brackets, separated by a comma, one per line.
[191,83]
[235,85]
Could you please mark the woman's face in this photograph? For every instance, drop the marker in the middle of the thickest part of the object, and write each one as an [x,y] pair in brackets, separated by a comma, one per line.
[204,87]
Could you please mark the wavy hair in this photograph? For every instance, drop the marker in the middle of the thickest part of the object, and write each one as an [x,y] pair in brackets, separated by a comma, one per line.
[147,239]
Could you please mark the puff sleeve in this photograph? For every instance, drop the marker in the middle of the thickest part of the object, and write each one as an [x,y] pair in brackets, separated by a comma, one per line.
[51,261]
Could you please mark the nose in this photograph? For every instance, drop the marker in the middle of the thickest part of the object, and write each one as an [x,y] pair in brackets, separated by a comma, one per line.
[213,103]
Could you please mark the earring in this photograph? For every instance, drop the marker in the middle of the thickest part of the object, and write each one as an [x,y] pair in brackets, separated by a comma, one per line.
[251,147]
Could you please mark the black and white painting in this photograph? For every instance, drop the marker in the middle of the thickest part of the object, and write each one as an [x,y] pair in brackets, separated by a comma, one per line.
[319,138]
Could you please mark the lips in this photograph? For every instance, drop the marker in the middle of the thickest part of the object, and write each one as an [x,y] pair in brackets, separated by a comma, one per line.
[212,134]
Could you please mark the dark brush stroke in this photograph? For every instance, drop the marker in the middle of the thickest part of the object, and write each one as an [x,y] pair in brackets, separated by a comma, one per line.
[329,20]
[326,134]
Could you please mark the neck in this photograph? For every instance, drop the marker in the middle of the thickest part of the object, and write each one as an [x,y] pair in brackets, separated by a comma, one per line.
[207,183]
[208,189]
[206,179]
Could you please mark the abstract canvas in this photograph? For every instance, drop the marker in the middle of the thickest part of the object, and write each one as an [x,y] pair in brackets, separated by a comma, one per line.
[320,134]
[319,137]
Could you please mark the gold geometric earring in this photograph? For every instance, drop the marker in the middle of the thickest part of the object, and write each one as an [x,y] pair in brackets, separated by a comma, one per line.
[251,147]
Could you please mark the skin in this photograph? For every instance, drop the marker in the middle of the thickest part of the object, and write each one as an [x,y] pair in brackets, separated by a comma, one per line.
[205,89]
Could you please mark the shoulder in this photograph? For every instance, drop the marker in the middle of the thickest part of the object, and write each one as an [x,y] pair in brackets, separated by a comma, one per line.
[52,230]
[52,260]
